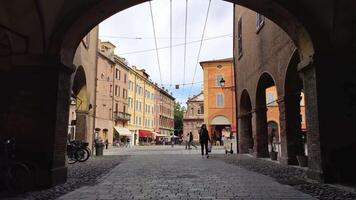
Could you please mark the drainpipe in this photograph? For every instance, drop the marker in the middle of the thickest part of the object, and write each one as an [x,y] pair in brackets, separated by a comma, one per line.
[235,79]
[95,90]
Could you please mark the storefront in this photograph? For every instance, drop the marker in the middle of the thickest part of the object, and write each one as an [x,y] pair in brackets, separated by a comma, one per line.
[145,137]
[123,137]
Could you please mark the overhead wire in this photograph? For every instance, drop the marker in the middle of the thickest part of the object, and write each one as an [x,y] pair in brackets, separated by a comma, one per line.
[201,44]
[170,44]
[154,33]
[185,41]
[177,45]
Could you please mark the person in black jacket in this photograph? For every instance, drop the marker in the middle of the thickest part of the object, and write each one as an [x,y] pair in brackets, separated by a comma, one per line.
[204,139]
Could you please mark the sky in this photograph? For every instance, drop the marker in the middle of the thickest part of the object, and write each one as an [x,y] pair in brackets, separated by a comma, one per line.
[131,30]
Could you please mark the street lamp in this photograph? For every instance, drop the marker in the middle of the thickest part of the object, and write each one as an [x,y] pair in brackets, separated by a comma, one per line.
[222,82]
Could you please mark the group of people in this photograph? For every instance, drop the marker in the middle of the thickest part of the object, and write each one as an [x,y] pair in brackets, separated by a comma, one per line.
[204,140]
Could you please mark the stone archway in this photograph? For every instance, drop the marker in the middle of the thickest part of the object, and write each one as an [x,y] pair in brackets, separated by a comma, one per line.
[80,97]
[245,124]
[43,43]
[78,25]
[290,118]
[260,130]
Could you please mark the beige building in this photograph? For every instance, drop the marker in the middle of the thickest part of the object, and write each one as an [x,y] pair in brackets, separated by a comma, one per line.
[194,116]
[81,112]
[111,94]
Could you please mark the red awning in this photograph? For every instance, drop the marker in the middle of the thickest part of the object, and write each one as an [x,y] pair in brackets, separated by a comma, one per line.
[144,133]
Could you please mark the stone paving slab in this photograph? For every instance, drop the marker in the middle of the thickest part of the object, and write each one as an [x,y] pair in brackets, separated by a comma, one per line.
[189,176]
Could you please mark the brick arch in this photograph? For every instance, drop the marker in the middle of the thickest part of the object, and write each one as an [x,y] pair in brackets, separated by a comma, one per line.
[244,123]
[75,25]
[260,130]
[79,89]
[290,116]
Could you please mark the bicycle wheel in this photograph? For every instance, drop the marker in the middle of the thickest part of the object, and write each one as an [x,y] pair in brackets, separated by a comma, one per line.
[82,155]
[19,178]
[71,159]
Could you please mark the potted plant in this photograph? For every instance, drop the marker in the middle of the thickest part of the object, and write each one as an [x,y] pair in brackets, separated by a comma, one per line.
[302,158]
[273,153]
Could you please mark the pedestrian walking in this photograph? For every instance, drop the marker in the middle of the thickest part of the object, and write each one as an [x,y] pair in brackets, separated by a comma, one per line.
[191,140]
[204,140]
[172,140]
[187,141]
[106,144]
[128,142]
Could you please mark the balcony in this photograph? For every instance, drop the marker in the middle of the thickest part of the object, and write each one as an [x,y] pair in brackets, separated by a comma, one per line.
[121,116]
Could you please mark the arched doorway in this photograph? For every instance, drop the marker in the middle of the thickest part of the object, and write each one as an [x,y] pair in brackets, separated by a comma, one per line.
[263,101]
[219,126]
[245,139]
[78,111]
[293,122]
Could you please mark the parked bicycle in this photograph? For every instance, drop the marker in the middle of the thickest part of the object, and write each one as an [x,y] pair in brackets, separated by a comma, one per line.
[15,176]
[77,151]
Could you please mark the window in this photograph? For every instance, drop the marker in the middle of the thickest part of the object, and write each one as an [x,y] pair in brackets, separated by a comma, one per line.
[130,102]
[110,89]
[219,100]
[201,108]
[117,74]
[218,79]
[124,93]
[116,107]
[124,109]
[260,21]
[125,78]
[140,106]
[239,37]
[129,84]
[116,90]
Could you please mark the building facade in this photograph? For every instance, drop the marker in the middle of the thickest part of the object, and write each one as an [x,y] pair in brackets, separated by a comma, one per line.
[141,98]
[270,100]
[219,98]
[111,93]
[194,117]
[82,101]
[166,112]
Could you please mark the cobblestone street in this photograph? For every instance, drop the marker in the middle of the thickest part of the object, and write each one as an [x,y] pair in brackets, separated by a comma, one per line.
[175,173]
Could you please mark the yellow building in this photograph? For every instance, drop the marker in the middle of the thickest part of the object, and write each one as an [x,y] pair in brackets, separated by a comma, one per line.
[141,100]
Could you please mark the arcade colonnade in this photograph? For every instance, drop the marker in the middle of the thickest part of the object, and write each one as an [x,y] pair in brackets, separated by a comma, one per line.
[39,39]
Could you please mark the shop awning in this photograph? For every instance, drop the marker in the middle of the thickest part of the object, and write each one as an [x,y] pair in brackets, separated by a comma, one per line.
[158,134]
[144,133]
[123,131]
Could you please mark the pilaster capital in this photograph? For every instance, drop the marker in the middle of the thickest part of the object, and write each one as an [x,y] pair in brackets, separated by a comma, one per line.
[305,64]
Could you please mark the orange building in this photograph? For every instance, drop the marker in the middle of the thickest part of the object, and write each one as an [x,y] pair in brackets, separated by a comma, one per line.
[219,97]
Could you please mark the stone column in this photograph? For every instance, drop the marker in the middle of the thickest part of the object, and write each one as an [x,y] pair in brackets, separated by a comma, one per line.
[245,133]
[290,127]
[260,132]
[330,98]
[82,128]
[34,110]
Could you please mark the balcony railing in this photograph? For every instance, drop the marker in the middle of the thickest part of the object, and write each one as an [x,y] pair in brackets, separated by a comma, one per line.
[122,116]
